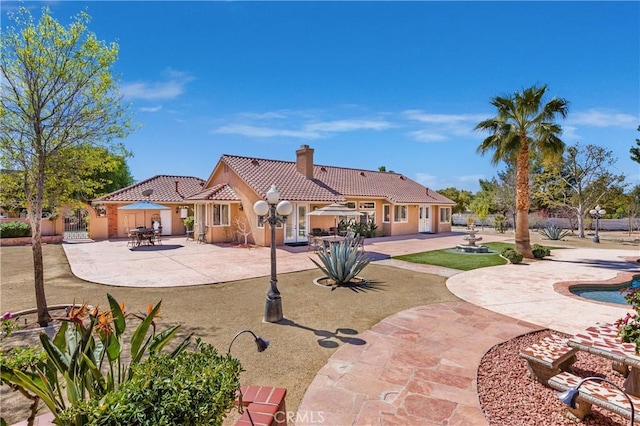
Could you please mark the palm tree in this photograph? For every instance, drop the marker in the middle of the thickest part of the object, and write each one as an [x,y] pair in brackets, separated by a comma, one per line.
[523,128]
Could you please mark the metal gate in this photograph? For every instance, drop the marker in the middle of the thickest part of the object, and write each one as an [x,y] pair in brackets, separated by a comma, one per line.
[75,224]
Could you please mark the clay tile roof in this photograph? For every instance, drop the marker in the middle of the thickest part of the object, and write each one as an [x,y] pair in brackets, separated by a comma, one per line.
[164,190]
[219,192]
[329,184]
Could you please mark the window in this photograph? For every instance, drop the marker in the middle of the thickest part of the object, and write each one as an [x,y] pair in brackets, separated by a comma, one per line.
[350,205]
[368,205]
[261,221]
[386,213]
[445,214]
[221,215]
[400,213]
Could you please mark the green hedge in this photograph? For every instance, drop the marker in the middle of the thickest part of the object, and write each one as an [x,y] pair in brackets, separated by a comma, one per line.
[14,230]
[193,388]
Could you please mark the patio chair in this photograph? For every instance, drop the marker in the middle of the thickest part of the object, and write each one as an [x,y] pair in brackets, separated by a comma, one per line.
[350,234]
[133,238]
[157,234]
[316,244]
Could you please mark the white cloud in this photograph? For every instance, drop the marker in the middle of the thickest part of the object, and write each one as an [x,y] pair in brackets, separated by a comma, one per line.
[451,119]
[295,124]
[151,109]
[426,179]
[172,87]
[427,136]
[348,125]
[266,132]
[569,133]
[440,127]
[602,118]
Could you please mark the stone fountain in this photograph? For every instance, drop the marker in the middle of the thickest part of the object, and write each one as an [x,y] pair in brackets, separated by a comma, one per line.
[471,240]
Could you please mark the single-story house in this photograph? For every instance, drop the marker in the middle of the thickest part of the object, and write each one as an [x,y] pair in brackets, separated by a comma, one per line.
[397,204]
[167,191]
[223,205]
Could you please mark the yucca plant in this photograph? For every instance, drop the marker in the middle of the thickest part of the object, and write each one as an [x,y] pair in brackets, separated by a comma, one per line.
[342,262]
[554,232]
[86,358]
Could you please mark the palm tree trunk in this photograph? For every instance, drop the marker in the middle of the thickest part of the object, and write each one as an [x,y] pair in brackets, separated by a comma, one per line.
[523,241]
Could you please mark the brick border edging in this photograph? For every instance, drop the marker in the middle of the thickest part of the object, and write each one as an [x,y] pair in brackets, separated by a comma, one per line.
[564,287]
[26,241]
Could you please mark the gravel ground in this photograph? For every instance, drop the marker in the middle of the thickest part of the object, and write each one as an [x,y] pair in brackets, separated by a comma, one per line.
[510,398]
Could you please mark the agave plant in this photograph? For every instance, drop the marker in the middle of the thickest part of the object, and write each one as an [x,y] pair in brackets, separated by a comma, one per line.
[554,232]
[342,262]
[86,358]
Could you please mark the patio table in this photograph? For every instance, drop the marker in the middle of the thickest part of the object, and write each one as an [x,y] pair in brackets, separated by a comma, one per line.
[602,339]
[143,234]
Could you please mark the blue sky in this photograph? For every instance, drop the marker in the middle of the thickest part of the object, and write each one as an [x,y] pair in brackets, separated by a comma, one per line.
[366,84]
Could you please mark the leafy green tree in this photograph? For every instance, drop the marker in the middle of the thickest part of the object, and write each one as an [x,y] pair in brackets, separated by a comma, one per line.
[384,169]
[58,99]
[481,203]
[633,207]
[461,197]
[504,192]
[635,151]
[585,179]
[524,126]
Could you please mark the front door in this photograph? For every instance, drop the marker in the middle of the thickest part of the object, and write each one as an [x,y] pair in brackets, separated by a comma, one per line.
[295,230]
[424,221]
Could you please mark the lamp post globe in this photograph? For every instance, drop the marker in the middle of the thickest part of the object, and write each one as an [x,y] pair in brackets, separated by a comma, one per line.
[261,208]
[284,208]
[597,213]
[277,212]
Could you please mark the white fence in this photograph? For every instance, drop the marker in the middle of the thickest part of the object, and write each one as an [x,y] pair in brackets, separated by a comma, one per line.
[537,221]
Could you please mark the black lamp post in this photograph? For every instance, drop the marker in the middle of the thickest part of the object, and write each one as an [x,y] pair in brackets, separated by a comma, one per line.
[570,395]
[278,212]
[598,212]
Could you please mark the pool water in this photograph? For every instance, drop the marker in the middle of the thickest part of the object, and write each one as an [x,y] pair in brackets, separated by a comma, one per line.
[610,295]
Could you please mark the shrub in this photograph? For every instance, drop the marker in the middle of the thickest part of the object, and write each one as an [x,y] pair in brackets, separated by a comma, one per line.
[15,230]
[189,221]
[512,255]
[499,223]
[367,229]
[553,232]
[194,388]
[342,262]
[540,251]
[87,358]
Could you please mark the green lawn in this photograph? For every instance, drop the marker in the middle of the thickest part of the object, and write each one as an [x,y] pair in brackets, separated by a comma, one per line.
[462,261]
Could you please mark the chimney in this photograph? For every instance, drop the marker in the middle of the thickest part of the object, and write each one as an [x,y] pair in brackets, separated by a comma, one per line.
[304,161]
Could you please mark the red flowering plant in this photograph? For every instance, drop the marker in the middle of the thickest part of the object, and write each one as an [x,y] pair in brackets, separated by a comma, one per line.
[87,357]
[629,326]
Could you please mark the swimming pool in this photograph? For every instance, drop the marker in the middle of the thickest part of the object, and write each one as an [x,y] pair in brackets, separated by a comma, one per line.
[610,294]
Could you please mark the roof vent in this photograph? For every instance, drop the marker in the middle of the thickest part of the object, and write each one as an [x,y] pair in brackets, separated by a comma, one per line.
[401,177]
[254,162]
[362,174]
[323,169]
